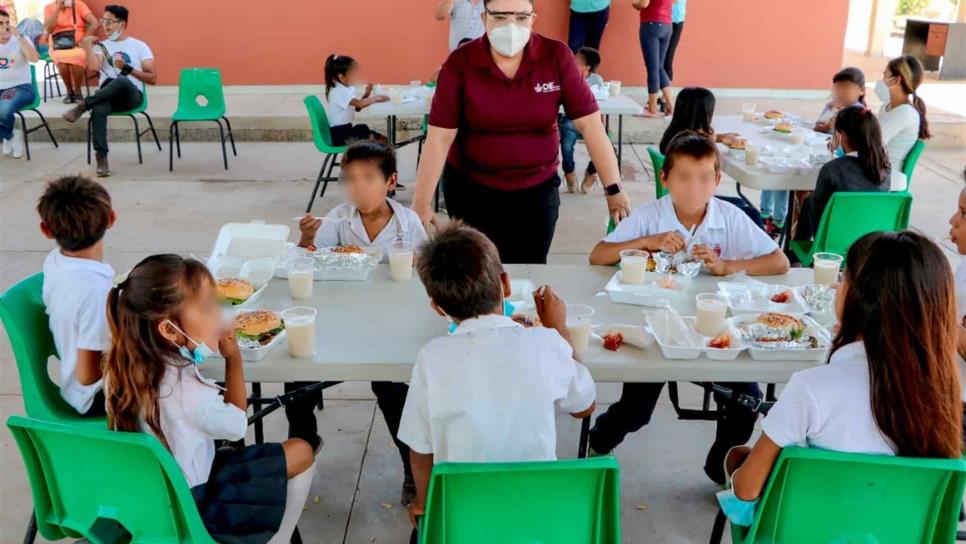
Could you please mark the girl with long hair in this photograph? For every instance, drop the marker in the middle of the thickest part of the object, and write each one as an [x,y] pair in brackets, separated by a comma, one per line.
[341,104]
[903,112]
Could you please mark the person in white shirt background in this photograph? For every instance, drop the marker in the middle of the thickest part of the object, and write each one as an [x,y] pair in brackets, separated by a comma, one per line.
[465,19]
[16,88]
[957,234]
[164,317]
[902,115]
[342,74]
[891,385]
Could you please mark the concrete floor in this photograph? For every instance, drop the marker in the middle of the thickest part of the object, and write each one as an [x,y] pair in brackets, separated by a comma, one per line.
[665,496]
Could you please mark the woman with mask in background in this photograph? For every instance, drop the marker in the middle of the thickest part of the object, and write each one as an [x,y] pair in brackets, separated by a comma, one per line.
[493,135]
[902,115]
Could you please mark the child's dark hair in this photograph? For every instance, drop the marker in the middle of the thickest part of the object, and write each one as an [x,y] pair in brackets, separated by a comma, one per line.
[591,58]
[154,290]
[693,110]
[853,75]
[460,269]
[76,210]
[118,11]
[335,66]
[900,302]
[863,134]
[690,144]
[909,71]
[373,152]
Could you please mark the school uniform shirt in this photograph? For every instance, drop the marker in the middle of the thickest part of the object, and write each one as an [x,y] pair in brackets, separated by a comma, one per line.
[725,229]
[490,392]
[829,407]
[337,107]
[132,51]
[75,295]
[194,415]
[343,226]
[14,68]
[465,21]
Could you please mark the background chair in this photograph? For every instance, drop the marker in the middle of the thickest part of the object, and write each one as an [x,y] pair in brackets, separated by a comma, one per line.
[322,135]
[815,495]
[657,162]
[572,501]
[51,76]
[33,106]
[909,165]
[201,97]
[142,109]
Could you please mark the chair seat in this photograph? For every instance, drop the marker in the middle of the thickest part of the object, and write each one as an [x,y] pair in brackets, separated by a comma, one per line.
[182,116]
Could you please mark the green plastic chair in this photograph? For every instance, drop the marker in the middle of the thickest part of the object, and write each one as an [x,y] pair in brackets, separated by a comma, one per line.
[817,496]
[909,165]
[657,161]
[572,501]
[322,134]
[34,107]
[201,97]
[105,486]
[51,79]
[139,109]
[850,215]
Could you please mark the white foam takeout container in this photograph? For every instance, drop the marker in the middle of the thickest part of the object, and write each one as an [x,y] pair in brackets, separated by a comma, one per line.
[649,294]
[754,297]
[637,336]
[766,354]
[248,251]
[254,355]
[679,340]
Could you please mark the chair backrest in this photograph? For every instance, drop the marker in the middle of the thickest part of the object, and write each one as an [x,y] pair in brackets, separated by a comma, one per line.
[850,215]
[909,165]
[657,161]
[821,496]
[83,478]
[33,81]
[575,501]
[195,83]
[321,130]
[24,317]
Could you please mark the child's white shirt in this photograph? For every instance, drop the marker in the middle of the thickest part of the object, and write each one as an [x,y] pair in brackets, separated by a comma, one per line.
[75,295]
[343,226]
[724,227]
[194,415]
[829,407]
[490,392]
[337,107]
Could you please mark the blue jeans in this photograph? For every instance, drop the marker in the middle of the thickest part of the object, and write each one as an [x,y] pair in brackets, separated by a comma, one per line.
[586,29]
[568,138]
[655,39]
[11,100]
[774,204]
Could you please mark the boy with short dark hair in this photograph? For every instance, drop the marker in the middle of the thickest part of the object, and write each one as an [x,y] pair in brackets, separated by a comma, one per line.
[76,212]
[488,392]
[588,60]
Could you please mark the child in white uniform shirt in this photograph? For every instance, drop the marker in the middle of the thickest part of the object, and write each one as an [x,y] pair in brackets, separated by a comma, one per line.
[490,391]
[76,212]
[163,317]
[369,218]
[341,104]
[891,386]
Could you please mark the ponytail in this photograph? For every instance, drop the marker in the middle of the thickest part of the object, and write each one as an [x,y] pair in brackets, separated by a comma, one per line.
[863,135]
[909,71]
[336,66]
[920,106]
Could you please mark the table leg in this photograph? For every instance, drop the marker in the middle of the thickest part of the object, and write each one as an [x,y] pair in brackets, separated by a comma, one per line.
[743,197]
[620,142]
[786,236]
[584,437]
[256,406]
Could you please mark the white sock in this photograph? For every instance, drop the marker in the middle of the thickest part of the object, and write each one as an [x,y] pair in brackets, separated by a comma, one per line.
[295,497]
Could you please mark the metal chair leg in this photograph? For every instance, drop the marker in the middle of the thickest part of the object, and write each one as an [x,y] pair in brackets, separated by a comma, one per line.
[26,136]
[224,152]
[256,406]
[718,530]
[584,438]
[137,138]
[177,137]
[153,132]
[318,181]
[171,146]
[47,127]
[89,140]
[296,536]
[31,535]
[231,136]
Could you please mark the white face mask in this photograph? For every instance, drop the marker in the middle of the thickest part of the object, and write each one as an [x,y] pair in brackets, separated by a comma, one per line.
[882,91]
[509,39]
[116,34]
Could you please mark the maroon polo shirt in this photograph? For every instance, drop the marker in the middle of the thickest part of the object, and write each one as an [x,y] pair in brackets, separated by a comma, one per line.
[507,135]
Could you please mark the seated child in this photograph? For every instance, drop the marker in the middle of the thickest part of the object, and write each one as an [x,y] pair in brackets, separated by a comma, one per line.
[519,377]
[957,234]
[588,59]
[76,212]
[864,167]
[164,319]
[341,104]
[848,89]
[891,385]
[369,218]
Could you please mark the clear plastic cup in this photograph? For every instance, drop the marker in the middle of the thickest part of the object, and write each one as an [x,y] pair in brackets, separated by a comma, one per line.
[633,266]
[300,331]
[301,278]
[615,87]
[710,312]
[579,322]
[752,154]
[748,112]
[401,261]
[826,267]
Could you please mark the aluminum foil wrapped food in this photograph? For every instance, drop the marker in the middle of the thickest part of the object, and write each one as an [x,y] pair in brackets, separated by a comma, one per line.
[760,335]
[662,261]
[819,298]
[690,269]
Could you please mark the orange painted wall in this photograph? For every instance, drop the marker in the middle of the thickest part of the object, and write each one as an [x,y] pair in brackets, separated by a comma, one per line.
[726,43]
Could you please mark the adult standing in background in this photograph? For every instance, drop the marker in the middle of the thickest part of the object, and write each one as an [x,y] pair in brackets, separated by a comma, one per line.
[588,19]
[678,11]
[67,22]
[655,35]
[465,19]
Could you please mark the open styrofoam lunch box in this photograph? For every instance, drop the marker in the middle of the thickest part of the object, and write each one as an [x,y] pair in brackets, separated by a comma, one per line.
[678,339]
[755,297]
[650,293]
[248,251]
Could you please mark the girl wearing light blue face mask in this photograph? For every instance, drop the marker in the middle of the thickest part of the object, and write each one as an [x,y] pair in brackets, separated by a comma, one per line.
[165,320]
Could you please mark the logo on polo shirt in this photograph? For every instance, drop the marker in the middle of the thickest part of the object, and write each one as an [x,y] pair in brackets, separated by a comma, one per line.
[550,87]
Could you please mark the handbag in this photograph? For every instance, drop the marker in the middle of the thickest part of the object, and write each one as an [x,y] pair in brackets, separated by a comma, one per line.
[65,39]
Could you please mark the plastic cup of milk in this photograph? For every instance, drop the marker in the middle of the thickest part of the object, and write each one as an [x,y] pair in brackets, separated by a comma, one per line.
[396,95]
[711,309]
[401,261]
[827,267]
[300,331]
[579,321]
[615,87]
[633,266]
[748,112]
[752,154]
[301,276]
[797,138]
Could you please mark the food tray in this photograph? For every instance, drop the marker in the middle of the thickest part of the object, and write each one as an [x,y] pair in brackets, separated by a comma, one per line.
[746,298]
[332,267]
[698,343]
[253,355]
[636,336]
[765,354]
[649,294]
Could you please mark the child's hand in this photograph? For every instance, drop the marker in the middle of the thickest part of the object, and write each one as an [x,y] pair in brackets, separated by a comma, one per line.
[414,513]
[714,264]
[369,88]
[550,308]
[308,226]
[671,241]
[380,98]
[228,346]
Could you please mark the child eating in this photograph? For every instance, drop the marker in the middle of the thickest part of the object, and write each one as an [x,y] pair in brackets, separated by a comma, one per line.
[341,104]
[848,89]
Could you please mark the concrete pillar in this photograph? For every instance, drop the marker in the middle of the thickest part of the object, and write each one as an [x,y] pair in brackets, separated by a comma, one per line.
[880,25]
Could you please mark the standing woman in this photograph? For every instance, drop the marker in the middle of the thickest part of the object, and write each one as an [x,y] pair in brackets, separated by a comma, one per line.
[588,19]
[493,125]
[67,22]
[655,34]
[16,88]
[902,115]
[679,10]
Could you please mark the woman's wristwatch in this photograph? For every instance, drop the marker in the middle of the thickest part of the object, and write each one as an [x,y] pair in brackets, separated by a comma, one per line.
[613,189]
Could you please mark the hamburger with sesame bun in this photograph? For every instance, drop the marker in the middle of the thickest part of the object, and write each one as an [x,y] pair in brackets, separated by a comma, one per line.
[258,325]
[234,291]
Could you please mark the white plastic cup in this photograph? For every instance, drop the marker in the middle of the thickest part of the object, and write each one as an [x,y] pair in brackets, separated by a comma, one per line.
[579,322]
[300,331]
[401,261]
[752,154]
[301,278]
[797,138]
[826,267]
[633,266]
[711,309]
[615,87]
[748,112]
[396,95]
